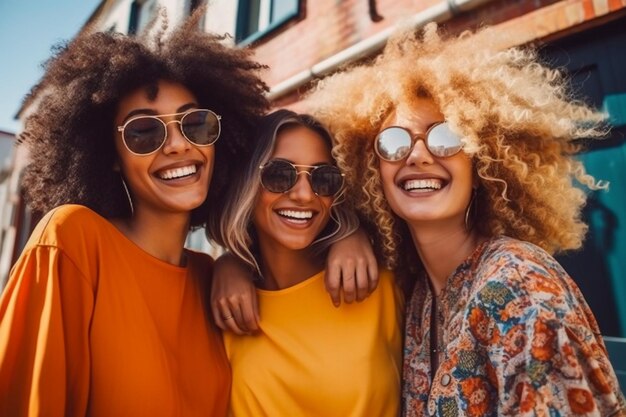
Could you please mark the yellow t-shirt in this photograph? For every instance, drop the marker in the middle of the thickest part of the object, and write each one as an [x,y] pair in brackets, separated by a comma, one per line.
[313,359]
[92,325]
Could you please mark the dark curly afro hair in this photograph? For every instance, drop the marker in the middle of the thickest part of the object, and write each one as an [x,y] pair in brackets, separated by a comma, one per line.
[70,132]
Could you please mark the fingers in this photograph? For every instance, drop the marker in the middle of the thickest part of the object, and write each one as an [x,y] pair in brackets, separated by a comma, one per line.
[234,323]
[217,316]
[226,315]
[249,315]
[233,296]
[351,269]
[362,280]
[235,314]
[372,272]
[356,278]
[255,310]
[349,282]
[333,282]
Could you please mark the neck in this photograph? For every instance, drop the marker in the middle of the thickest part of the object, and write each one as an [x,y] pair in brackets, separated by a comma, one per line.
[442,247]
[162,235]
[284,268]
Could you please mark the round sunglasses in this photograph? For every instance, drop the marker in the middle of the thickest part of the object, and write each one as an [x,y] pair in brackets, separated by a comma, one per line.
[280,176]
[144,135]
[395,143]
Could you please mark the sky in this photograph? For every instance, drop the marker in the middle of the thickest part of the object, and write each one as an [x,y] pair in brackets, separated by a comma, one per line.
[28,30]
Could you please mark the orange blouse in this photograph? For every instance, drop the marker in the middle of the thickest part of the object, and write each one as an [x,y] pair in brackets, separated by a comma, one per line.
[91,325]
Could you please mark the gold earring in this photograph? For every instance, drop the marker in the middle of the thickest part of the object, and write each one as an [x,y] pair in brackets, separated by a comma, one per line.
[468,226]
[130,201]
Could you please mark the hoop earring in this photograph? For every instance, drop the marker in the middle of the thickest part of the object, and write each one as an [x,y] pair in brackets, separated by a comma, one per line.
[469,210]
[130,201]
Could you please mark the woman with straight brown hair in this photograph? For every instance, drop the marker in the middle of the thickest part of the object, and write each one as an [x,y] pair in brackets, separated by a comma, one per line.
[308,357]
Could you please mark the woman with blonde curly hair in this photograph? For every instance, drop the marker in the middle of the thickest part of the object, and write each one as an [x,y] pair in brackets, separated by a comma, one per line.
[459,157]
[104,313]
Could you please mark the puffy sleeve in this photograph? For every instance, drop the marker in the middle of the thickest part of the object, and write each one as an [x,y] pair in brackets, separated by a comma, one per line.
[45,314]
[546,353]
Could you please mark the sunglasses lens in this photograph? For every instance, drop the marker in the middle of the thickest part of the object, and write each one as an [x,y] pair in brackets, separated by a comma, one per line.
[393,143]
[326,180]
[278,176]
[144,134]
[442,141]
[201,127]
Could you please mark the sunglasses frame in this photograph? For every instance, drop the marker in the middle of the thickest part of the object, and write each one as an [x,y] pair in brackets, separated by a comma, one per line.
[414,139]
[158,117]
[298,172]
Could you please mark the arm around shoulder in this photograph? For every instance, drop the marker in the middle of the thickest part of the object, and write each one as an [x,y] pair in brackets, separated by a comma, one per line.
[351,268]
[233,296]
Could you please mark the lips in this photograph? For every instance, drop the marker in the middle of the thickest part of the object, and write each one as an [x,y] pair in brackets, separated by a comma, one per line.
[177,172]
[296,216]
[429,184]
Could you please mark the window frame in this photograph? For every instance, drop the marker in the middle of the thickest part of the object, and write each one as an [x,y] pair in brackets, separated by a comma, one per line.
[243,13]
[138,19]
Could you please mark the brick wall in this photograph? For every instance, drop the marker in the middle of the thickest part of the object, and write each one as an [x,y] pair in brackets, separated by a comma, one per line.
[327,27]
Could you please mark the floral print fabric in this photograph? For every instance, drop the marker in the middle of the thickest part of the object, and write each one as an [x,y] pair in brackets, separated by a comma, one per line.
[518,337]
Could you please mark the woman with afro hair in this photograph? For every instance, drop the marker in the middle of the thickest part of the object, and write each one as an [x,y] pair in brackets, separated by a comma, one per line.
[459,156]
[104,312]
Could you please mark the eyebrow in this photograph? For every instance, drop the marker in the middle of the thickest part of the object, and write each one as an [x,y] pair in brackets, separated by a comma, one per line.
[151,112]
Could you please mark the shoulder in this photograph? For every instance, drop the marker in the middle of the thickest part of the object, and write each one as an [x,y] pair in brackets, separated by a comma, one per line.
[506,252]
[519,266]
[67,224]
[66,235]
[518,282]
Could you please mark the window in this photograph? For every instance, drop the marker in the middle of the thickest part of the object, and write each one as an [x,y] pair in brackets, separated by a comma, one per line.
[141,13]
[256,18]
[192,5]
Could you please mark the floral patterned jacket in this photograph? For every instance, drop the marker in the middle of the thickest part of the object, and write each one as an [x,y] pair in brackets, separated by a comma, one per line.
[519,340]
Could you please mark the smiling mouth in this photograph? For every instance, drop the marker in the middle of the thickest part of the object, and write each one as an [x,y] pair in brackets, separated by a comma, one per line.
[176,173]
[296,216]
[419,185]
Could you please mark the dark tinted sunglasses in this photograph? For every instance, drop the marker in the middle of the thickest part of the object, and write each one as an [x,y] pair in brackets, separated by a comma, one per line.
[395,143]
[144,135]
[280,176]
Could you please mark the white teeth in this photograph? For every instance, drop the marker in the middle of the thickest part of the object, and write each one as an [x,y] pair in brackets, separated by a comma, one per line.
[429,184]
[300,215]
[177,172]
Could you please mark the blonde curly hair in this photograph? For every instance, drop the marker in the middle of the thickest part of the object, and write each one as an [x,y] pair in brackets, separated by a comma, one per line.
[518,118]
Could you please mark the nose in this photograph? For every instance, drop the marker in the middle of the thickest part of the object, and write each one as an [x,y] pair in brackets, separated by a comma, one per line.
[302,191]
[419,155]
[175,141]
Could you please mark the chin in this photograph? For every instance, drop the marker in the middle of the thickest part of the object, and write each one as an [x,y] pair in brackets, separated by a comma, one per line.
[298,245]
[417,217]
[186,208]
[195,203]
